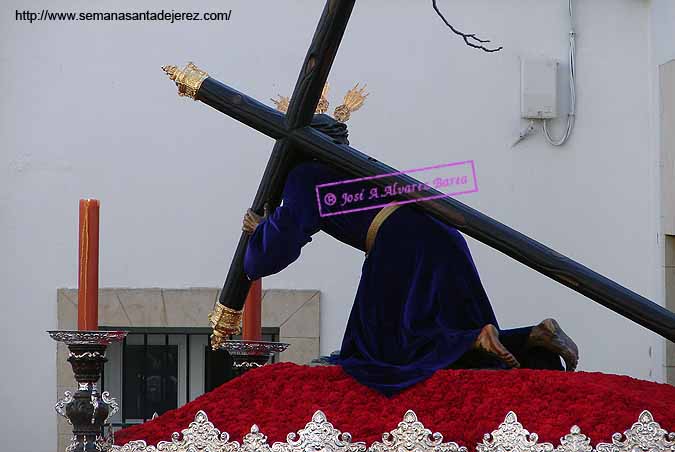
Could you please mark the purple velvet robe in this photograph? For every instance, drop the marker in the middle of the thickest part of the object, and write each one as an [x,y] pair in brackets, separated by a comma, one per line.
[420,303]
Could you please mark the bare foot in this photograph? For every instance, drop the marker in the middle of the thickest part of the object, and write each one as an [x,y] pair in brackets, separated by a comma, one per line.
[550,336]
[488,342]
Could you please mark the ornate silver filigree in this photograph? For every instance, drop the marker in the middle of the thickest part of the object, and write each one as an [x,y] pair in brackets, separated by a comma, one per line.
[246,365]
[109,437]
[101,444]
[412,436]
[575,441]
[90,355]
[255,441]
[104,444]
[73,444]
[95,404]
[511,436]
[135,446]
[87,386]
[249,348]
[644,435]
[319,435]
[113,406]
[87,337]
[60,406]
[200,436]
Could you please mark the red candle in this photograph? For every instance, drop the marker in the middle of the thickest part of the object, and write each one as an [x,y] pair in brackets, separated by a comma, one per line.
[252,330]
[87,294]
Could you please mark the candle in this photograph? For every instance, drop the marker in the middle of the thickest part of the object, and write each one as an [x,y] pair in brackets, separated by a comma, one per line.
[252,330]
[87,294]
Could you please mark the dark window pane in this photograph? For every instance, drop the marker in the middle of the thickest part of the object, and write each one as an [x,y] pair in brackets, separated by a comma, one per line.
[218,368]
[150,380]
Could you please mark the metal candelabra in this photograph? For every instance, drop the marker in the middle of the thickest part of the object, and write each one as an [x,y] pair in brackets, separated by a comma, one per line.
[247,355]
[87,410]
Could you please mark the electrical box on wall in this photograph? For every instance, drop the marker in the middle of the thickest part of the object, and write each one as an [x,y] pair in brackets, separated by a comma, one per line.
[538,88]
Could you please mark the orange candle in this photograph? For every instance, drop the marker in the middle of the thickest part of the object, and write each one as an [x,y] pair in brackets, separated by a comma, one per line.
[252,330]
[87,294]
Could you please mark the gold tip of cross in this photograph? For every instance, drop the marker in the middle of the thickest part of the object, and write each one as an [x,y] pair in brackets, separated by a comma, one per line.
[171,71]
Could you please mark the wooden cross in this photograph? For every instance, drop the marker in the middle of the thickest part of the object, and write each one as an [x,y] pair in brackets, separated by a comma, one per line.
[296,138]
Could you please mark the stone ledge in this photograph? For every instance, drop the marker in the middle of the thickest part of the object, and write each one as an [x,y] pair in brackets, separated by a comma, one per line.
[296,311]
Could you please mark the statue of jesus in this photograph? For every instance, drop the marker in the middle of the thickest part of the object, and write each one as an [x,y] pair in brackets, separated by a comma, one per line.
[420,305]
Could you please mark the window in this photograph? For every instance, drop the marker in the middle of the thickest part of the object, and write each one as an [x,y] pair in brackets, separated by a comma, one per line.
[150,378]
[159,369]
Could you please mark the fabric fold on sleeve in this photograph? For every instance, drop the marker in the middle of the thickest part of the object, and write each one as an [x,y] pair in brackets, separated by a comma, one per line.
[276,243]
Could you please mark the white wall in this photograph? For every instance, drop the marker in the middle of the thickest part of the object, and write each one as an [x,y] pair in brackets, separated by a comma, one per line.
[86,111]
[663,30]
[662,50]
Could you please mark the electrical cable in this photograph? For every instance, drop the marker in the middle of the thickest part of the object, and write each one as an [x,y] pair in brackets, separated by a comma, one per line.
[573,94]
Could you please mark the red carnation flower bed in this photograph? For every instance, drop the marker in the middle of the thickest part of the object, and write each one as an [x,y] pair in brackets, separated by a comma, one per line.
[463,405]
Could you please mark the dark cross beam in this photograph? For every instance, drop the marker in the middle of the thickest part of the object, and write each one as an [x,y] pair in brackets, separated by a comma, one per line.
[294,135]
[304,100]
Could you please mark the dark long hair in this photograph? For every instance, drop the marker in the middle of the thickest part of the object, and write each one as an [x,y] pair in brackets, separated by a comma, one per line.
[337,131]
[334,129]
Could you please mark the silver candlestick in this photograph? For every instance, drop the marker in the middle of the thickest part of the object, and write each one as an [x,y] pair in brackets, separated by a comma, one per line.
[87,410]
[250,354]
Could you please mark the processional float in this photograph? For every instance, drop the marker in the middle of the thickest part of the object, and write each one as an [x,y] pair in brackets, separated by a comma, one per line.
[296,140]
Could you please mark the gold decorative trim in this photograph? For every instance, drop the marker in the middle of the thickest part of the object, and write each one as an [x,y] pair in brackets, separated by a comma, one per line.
[224,321]
[188,80]
[322,106]
[353,100]
[283,102]
[380,218]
